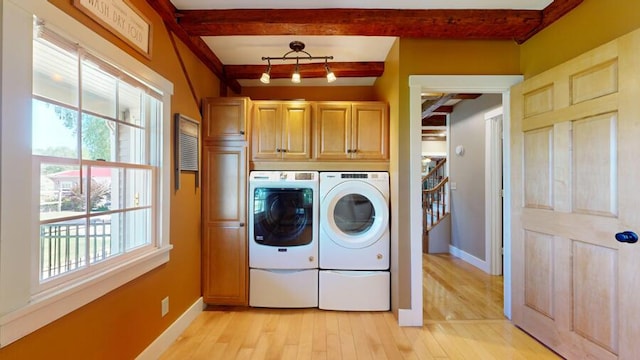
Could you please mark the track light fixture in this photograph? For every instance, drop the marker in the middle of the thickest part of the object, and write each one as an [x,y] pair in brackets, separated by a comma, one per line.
[266,76]
[331,77]
[295,77]
[297,47]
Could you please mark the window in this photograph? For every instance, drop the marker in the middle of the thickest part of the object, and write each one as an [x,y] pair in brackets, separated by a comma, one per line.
[92,128]
[84,163]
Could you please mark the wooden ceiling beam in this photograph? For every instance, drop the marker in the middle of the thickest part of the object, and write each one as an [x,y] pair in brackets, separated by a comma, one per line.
[429,106]
[307,71]
[435,120]
[449,24]
[167,12]
[466,96]
[551,13]
[447,109]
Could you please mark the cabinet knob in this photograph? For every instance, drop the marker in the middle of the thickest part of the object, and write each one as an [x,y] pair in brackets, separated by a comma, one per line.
[241,224]
[241,132]
[278,150]
[284,150]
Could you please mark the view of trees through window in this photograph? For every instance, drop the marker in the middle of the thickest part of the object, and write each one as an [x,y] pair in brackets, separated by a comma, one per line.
[92,126]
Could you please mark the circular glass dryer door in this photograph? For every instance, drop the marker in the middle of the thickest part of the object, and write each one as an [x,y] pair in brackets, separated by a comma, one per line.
[356,214]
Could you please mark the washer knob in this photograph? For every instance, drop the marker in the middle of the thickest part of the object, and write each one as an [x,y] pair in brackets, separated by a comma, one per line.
[379,256]
[311,258]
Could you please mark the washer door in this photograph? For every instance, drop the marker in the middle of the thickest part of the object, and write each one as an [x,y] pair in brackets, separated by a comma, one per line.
[282,216]
[355,213]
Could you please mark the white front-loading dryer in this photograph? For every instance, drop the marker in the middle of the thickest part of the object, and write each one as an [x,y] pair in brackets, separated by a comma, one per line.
[354,221]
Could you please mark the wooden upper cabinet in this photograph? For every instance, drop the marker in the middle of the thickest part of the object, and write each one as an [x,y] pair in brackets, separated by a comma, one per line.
[369,131]
[281,130]
[346,130]
[332,131]
[224,119]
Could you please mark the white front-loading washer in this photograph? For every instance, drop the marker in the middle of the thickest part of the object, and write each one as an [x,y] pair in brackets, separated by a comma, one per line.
[354,241]
[283,238]
[354,220]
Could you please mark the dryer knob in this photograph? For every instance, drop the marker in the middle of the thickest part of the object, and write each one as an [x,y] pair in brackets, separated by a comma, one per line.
[379,256]
[311,258]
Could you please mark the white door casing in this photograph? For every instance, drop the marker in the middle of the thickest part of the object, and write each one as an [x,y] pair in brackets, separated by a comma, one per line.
[490,84]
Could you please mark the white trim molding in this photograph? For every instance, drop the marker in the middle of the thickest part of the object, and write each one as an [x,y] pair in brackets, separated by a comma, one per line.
[495,84]
[169,336]
[493,190]
[480,264]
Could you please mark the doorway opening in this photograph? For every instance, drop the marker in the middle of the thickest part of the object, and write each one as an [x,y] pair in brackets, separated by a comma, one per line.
[499,84]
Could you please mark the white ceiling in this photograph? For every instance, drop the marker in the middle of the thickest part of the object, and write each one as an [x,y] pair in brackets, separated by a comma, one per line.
[248,50]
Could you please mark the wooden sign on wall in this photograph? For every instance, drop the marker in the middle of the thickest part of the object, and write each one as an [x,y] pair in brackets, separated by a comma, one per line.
[122,19]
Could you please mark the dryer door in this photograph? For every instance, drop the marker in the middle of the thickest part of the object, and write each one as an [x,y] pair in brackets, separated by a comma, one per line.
[355,214]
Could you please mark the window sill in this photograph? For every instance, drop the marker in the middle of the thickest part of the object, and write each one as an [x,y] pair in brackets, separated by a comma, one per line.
[42,311]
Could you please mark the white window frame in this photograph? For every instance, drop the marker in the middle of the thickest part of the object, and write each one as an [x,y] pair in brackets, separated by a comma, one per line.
[23,311]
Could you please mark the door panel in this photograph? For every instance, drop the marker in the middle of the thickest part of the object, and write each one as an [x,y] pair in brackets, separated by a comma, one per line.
[332,131]
[574,178]
[266,142]
[538,290]
[537,168]
[296,137]
[594,164]
[595,272]
[225,179]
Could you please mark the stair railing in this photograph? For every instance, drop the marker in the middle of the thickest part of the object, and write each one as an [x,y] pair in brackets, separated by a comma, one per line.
[434,197]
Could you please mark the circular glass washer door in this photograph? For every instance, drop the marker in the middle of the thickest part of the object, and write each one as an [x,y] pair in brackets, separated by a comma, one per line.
[355,214]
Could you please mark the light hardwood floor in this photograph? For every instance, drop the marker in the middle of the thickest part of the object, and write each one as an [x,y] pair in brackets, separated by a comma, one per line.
[463,320]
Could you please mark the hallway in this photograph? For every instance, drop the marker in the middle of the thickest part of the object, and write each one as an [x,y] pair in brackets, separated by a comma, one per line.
[455,290]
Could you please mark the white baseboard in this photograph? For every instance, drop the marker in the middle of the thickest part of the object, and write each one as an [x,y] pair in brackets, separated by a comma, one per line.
[480,264]
[162,343]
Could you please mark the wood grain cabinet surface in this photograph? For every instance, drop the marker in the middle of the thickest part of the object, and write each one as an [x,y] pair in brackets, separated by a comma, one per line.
[224,202]
[281,130]
[225,119]
[351,131]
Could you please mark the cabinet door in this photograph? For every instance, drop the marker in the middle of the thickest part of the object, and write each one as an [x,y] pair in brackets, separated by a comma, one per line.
[332,131]
[224,261]
[224,277]
[224,118]
[266,139]
[296,131]
[370,131]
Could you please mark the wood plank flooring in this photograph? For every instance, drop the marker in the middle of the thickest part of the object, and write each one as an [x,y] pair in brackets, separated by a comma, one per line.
[463,320]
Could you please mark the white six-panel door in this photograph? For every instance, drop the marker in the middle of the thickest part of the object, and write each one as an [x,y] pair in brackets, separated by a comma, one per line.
[575,175]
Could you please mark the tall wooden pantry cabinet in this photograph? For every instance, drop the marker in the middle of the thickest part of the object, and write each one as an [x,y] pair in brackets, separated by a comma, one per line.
[224,190]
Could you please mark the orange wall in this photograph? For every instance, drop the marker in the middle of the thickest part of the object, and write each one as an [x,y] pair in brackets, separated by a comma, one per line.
[310,93]
[386,88]
[592,23]
[124,322]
